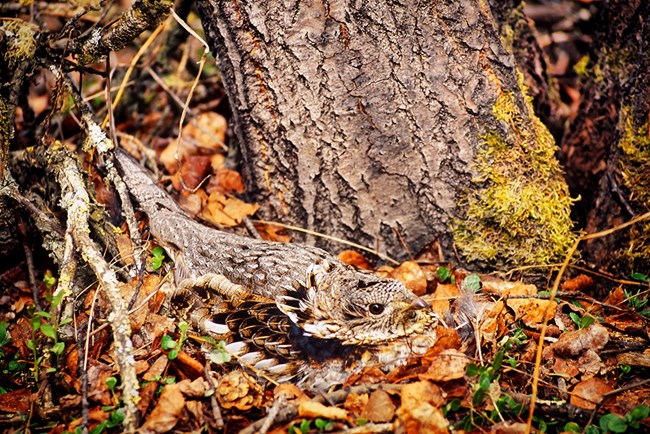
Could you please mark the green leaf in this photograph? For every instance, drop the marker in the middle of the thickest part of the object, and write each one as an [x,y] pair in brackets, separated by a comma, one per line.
[639,413]
[58,348]
[219,356]
[49,281]
[111,382]
[5,337]
[305,426]
[158,257]
[362,421]
[49,331]
[182,326]
[575,318]
[472,369]
[65,321]
[572,427]
[30,344]
[36,323]
[512,362]
[323,424]
[640,277]
[443,273]
[167,343]
[484,382]
[613,422]
[43,314]
[172,355]
[472,283]
[586,321]
[498,360]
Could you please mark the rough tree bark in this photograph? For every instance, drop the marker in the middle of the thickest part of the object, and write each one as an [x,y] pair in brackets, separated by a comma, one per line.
[360,119]
[608,145]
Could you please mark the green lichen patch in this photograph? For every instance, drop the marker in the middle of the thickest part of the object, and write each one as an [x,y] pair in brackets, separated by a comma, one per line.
[20,41]
[518,211]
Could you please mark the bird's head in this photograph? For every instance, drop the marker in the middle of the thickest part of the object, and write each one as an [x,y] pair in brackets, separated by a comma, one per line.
[355,307]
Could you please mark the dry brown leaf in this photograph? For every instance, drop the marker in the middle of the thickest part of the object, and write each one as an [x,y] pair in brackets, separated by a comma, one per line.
[147,394]
[290,393]
[503,288]
[312,410]
[208,129]
[271,232]
[379,408]
[448,365]
[532,311]
[581,282]
[194,171]
[352,257]
[355,403]
[167,411]
[16,401]
[412,276]
[192,202]
[97,389]
[572,343]
[420,410]
[124,246]
[156,369]
[227,211]
[442,298]
[590,392]
[194,389]
[239,390]
[228,181]
[565,367]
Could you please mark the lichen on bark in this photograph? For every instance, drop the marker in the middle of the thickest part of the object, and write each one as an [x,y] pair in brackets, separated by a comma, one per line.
[519,211]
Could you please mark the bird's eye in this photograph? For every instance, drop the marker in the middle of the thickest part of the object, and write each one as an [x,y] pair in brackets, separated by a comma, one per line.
[376,308]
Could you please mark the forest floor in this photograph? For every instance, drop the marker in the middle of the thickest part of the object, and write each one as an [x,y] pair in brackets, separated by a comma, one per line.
[575,338]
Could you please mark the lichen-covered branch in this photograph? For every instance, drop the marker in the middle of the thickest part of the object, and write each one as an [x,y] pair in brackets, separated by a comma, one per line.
[143,15]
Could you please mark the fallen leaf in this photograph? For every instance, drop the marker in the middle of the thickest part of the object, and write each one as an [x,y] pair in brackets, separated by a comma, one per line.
[167,411]
[587,394]
[412,276]
[227,211]
[379,408]
[581,282]
[420,410]
[532,311]
[573,343]
[194,171]
[355,403]
[156,370]
[448,365]
[352,257]
[208,129]
[16,401]
[312,410]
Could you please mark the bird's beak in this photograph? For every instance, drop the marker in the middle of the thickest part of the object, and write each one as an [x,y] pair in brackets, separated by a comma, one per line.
[418,303]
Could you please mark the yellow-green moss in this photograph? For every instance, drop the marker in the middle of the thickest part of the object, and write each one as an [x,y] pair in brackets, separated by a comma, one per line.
[635,171]
[519,209]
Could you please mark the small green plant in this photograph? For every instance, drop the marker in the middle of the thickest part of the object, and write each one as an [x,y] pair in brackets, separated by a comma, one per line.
[637,303]
[219,354]
[582,322]
[614,423]
[305,425]
[444,274]
[167,343]
[472,283]
[157,258]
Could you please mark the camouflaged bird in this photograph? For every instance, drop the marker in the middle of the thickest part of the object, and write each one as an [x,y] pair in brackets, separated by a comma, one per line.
[300,296]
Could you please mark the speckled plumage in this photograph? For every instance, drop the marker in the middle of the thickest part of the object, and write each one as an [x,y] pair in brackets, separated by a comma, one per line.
[295,294]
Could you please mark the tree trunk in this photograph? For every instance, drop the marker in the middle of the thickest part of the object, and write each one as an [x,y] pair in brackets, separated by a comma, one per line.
[366,119]
[608,146]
